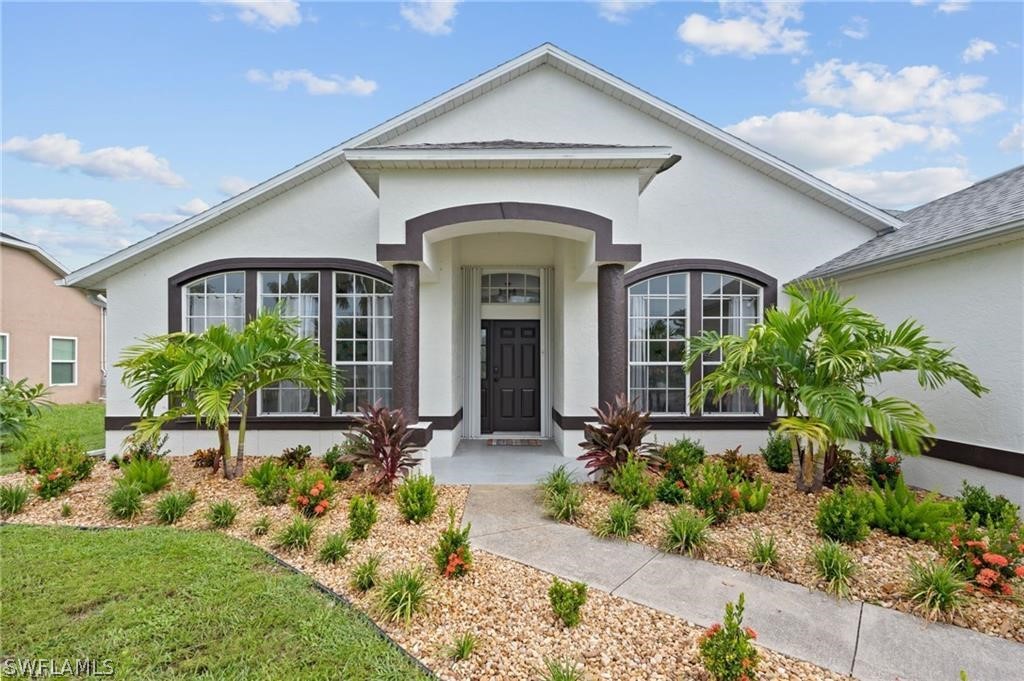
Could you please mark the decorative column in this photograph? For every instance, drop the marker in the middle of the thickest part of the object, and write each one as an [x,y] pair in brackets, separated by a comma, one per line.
[611,332]
[405,345]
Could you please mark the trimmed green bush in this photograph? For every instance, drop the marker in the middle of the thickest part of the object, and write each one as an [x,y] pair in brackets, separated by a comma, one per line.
[726,650]
[451,554]
[977,501]
[671,491]
[567,600]
[777,453]
[714,491]
[416,497]
[362,514]
[843,516]
[680,456]
[632,482]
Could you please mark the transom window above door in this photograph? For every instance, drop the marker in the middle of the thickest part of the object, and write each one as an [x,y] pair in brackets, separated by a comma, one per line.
[510,288]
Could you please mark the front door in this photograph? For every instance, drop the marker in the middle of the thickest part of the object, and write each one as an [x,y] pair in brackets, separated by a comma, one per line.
[510,376]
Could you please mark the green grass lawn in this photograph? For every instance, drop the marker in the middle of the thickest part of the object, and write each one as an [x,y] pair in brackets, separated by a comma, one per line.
[164,603]
[84,421]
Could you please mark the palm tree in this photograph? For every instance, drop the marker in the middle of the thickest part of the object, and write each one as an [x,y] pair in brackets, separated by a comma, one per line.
[817,363]
[211,376]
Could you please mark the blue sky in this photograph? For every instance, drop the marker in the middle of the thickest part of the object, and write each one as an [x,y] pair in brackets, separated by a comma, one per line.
[121,119]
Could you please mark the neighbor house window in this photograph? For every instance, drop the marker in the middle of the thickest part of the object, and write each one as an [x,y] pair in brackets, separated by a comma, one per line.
[217,299]
[362,339]
[5,349]
[659,324]
[515,288]
[63,360]
[296,295]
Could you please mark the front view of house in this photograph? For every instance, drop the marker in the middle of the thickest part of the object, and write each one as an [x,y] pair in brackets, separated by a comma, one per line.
[496,262]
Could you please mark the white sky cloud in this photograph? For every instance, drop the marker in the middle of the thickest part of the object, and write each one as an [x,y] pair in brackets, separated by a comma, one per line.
[857,28]
[977,50]
[314,84]
[813,140]
[918,92]
[87,212]
[269,15]
[954,6]
[899,188]
[426,16]
[747,30]
[618,11]
[59,151]
[232,185]
[1014,140]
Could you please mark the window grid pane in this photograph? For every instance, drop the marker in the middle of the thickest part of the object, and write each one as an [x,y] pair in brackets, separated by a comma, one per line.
[63,361]
[658,329]
[510,288]
[297,295]
[362,340]
[731,306]
[216,299]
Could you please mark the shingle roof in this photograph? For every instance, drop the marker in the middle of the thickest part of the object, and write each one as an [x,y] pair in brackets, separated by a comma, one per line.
[499,144]
[997,201]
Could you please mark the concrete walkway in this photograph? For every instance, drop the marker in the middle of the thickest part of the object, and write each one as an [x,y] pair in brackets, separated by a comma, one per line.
[848,637]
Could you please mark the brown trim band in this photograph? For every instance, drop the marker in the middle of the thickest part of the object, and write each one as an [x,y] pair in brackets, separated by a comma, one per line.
[978,456]
[444,422]
[415,228]
[677,422]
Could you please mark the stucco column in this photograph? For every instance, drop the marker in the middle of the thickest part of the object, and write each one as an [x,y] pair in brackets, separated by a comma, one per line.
[611,332]
[405,346]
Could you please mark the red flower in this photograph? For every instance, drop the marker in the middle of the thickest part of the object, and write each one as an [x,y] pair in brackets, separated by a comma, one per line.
[1006,589]
[987,577]
[324,503]
[976,544]
[679,484]
[995,559]
[735,494]
[455,564]
[955,541]
[751,633]
[302,500]
[890,459]
[713,629]
[1019,571]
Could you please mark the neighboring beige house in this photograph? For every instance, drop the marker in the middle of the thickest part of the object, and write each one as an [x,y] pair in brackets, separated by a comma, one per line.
[49,334]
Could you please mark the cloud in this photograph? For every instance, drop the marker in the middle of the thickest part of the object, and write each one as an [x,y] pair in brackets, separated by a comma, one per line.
[1014,140]
[185,210]
[919,92]
[811,139]
[87,212]
[856,29]
[432,18]
[951,7]
[977,49]
[747,30]
[269,15]
[618,11]
[899,188]
[120,163]
[232,185]
[314,84]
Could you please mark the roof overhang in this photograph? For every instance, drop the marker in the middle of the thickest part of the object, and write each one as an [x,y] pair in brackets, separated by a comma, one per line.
[647,161]
[39,253]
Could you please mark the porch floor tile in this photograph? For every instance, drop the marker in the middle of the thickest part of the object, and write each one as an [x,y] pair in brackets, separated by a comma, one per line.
[475,462]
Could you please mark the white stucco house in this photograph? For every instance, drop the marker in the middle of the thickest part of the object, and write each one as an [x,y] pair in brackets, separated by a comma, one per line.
[505,256]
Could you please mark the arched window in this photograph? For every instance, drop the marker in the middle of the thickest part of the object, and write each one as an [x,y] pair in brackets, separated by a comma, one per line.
[216,299]
[664,311]
[362,339]
[296,294]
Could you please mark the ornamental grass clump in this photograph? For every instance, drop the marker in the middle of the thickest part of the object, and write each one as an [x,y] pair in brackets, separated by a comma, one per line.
[362,514]
[12,499]
[686,532]
[261,527]
[335,548]
[222,514]
[296,535]
[173,506]
[777,453]
[834,565]
[364,575]
[403,594]
[125,500]
[150,475]
[416,497]
[843,516]
[620,522]
[271,481]
[567,600]
[311,493]
[562,670]
[937,589]
[561,497]
[726,649]
[462,647]
[452,555]
[764,551]
[632,482]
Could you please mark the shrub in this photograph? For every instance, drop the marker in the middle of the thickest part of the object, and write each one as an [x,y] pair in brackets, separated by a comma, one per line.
[897,511]
[936,588]
[670,491]
[451,554]
[686,532]
[764,552]
[151,475]
[726,650]
[834,565]
[311,493]
[21,403]
[739,466]
[843,516]
[65,510]
[222,514]
[714,491]
[567,599]
[12,499]
[53,484]
[990,557]
[271,482]
[881,465]
[839,467]
[59,463]
[564,506]
[337,462]
[557,481]
[295,457]
[401,595]
[335,548]
[207,458]
[172,506]
[261,526]
[416,497]
[977,501]
[125,500]
[777,453]
[754,495]
[386,448]
[562,670]
[621,520]
[364,575]
[632,482]
[681,456]
[296,535]
[138,447]
[362,514]
[462,647]
[618,433]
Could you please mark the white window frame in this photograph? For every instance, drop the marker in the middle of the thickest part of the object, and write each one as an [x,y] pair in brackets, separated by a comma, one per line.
[669,362]
[5,363]
[185,296]
[259,307]
[714,363]
[334,334]
[72,362]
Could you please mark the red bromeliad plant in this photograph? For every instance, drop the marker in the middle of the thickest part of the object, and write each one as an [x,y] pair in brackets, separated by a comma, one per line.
[387,449]
[619,432]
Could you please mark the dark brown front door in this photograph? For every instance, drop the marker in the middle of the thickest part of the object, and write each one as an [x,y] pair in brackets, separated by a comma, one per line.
[510,386]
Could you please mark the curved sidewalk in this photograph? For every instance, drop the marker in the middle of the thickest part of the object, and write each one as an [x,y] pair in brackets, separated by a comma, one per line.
[849,637]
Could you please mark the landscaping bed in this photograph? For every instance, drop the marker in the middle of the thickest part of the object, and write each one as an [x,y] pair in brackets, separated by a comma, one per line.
[881,559]
[503,603]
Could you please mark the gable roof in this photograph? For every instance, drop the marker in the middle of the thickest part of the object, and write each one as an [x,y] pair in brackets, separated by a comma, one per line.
[546,54]
[987,208]
[29,247]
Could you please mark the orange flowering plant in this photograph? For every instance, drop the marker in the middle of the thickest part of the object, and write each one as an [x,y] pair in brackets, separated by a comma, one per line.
[726,649]
[311,493]
[451,554]
[993,557]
